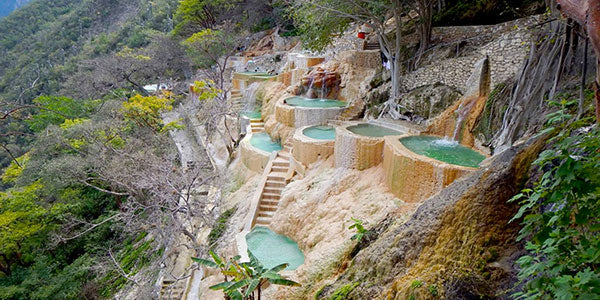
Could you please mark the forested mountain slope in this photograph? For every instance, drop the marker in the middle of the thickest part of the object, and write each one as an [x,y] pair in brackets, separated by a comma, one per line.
[57,35]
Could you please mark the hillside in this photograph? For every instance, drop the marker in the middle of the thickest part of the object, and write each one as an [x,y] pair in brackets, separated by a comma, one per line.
[302,149]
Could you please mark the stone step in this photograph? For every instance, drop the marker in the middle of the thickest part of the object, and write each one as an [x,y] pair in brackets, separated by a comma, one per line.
[273,190]
[281,159]
[279,169]
[276,177]
[254,130]
[275,184]
[266,214]
[283,155]
[254,121]
[263,221]
[271,196]
[269,202]
[268,207]
[284,164]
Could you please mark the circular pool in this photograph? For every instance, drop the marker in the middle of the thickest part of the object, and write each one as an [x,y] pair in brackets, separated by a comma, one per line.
[443,150]
[312,143]
[273,249]
[325,133]
[370,130]
[360,145]
[418,167]
[263,141]
[298,101]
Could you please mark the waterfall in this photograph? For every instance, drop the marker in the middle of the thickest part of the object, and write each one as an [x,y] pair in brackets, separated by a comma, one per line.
[324,85]
[462,112]
[249,97]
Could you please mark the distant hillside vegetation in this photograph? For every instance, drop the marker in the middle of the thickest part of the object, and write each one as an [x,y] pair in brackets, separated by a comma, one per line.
[42,45]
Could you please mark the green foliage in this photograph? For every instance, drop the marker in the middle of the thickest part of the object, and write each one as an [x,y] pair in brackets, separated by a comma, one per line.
[205,90]
[146,112]
[481,12]
[132,258]
[206,46]
[56,110]
[220,227]
[433,290]
[45,280]
[246,277]
[317,27]
[360,230]
[15,169]
[560,214]
[194,15]
[415,284]
[22,221]
[343,292]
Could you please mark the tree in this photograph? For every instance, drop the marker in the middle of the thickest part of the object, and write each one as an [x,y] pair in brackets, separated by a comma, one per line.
[146,112]
[211,50]
[22,219]
[425,10]
[319,20]
[247,277]
[587,14]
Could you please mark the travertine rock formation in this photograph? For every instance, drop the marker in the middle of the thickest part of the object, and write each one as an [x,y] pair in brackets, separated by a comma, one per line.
[459,242]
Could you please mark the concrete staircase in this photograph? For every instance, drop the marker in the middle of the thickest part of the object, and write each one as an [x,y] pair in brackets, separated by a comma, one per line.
[172,290]
[257,125]
[276,180]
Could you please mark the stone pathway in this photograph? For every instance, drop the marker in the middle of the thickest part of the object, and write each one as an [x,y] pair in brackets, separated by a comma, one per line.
[189,150]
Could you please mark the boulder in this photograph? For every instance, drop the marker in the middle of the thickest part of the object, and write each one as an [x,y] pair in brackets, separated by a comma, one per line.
[428,101]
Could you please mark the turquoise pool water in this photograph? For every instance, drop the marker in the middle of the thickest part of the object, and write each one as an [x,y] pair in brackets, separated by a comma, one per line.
[252,114]
[443,150]
[273,249]
[308,102]
[263,141]
[320,132]
[371,130]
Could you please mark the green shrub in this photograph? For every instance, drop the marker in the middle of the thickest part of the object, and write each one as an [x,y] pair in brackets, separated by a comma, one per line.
[220,227]
[560,214]
[343,292]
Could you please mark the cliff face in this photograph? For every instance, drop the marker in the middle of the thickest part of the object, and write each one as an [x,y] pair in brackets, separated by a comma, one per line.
[458,243]
[7,6]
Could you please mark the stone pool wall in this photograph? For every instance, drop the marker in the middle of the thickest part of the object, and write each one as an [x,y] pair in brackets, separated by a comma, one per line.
[353,151]
[253,158]
[308,150]
[412,177]
[295,117]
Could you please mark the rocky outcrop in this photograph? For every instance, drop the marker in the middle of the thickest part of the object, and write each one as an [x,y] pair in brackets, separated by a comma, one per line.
[458,243]
[428,101]
[316,211]
[320,83]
